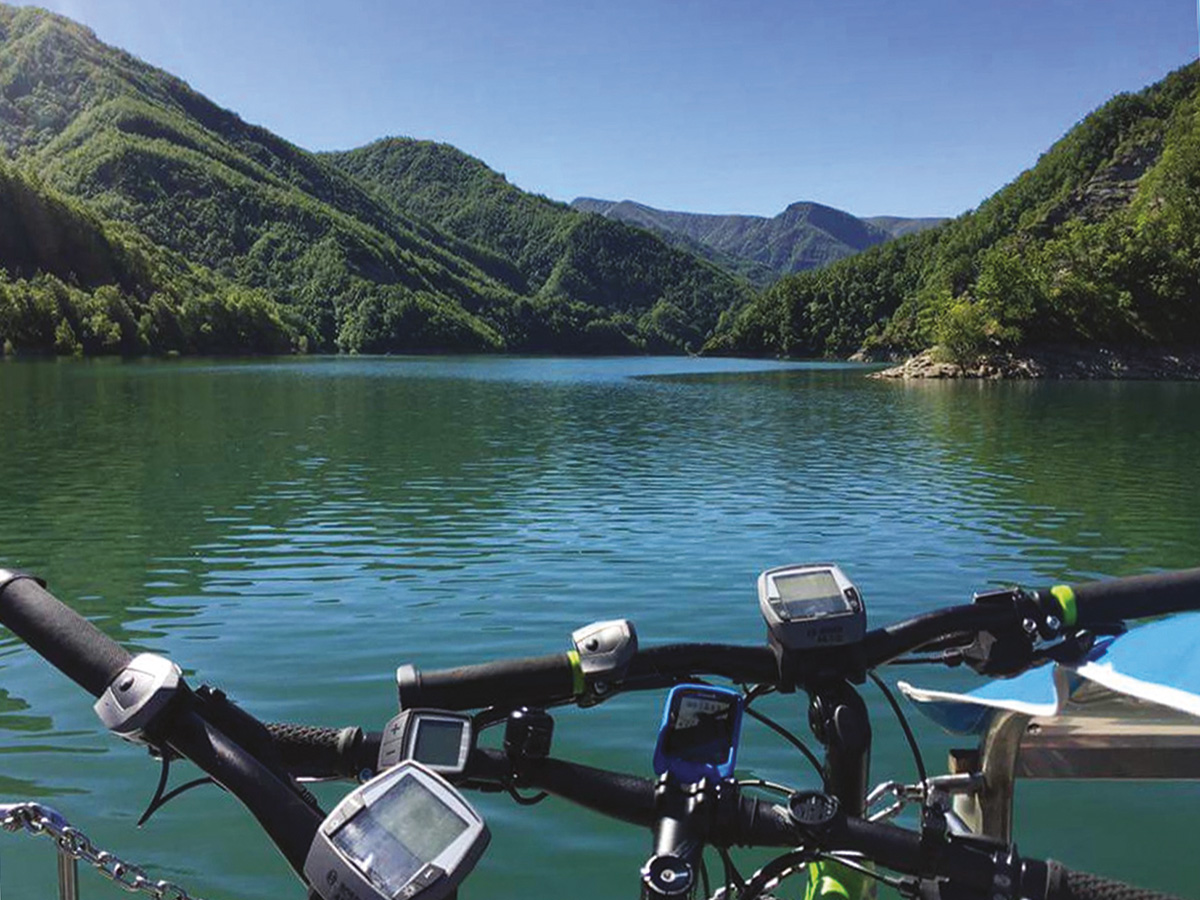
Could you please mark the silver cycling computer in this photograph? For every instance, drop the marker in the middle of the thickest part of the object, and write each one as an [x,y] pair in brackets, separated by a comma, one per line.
[404,835]
[810,606]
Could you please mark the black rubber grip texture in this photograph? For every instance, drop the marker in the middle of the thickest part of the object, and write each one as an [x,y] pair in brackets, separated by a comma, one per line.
[533,680]
[1067,884]
[1137,597]
[545,680]
[66,640]
[309,751]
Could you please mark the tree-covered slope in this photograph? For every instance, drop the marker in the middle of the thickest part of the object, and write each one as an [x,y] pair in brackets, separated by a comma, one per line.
[571,262]
[137,146]
[1099,243]
[140,146]
[72,283]
[804,236]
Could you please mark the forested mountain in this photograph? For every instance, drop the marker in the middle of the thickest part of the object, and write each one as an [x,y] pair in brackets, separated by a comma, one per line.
[135,152]
[1099,243]
[140,147]
[803,236]
[74,283]
[666,294]
[137,216]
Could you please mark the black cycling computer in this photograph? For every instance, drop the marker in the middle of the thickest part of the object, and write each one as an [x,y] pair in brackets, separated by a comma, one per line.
[811,606]
[406,834]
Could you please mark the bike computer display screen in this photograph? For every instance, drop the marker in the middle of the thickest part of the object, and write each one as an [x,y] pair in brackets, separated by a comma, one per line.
[406,833]
[701,728]
[439,739]
[699,732]
[399,833]
[811,593]
[438,742]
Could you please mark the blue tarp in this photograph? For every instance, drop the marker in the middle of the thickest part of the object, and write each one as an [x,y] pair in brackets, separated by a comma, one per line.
[1157,665]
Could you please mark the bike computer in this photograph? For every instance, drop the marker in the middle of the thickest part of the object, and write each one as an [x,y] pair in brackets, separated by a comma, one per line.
[404,835]
[699,734]
[811,606]
[439,739]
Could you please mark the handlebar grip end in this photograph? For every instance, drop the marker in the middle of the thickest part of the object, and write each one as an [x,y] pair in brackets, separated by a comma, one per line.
[8,576]
[63,637]
[1134,597]
[408,685]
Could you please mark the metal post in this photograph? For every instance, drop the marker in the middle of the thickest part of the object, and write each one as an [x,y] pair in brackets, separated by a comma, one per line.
[68,876]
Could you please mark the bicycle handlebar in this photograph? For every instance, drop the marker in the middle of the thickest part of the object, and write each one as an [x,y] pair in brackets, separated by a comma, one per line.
[1070,884]
[92,659]
[750,822]
[548,680]
[557,678]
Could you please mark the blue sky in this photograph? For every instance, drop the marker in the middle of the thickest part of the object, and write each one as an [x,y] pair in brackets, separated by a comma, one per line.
[923,107]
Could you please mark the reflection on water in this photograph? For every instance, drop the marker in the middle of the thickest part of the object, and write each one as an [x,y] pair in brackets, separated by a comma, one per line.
[293,530]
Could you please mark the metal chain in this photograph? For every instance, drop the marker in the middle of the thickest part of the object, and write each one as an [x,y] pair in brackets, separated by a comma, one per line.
[36,819]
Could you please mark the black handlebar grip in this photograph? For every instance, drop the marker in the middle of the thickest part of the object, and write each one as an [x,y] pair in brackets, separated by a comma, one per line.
[531,681]
[1067,884]
[1136,597]
[65,639]
[309,751]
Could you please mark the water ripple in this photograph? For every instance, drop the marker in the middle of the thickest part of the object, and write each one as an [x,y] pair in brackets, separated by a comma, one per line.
[296,529]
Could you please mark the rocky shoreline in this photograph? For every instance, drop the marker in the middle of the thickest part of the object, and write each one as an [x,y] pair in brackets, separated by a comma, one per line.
[1077,363]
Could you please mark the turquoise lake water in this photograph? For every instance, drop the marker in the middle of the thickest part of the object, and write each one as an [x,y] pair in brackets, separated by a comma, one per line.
[292,530]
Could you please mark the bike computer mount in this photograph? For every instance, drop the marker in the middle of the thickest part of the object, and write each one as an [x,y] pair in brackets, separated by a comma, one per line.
[812,606]
[406,834]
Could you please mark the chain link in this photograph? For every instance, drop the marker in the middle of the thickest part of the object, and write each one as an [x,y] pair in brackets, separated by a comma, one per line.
[35,819]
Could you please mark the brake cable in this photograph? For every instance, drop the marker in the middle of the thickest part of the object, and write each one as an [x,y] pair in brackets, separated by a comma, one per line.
[791,739]
[922,774]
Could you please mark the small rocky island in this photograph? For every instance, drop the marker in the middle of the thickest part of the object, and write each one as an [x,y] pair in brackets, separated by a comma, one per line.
[1082,363]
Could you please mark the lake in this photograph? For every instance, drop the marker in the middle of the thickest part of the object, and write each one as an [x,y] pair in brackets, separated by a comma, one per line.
[292,530]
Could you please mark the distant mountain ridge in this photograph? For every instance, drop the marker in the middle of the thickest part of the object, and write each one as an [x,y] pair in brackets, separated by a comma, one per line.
[804,236]
[899,226]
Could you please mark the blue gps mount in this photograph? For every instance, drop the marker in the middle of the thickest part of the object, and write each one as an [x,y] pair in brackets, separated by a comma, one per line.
[699,734]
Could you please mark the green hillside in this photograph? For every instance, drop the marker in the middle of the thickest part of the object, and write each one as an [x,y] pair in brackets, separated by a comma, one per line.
[1098,244]
[72,283]
[579,263]
[141,147]
[131,144]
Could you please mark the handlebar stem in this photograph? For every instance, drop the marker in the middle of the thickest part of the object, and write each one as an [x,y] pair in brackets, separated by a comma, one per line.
[684,815]
[840,721]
